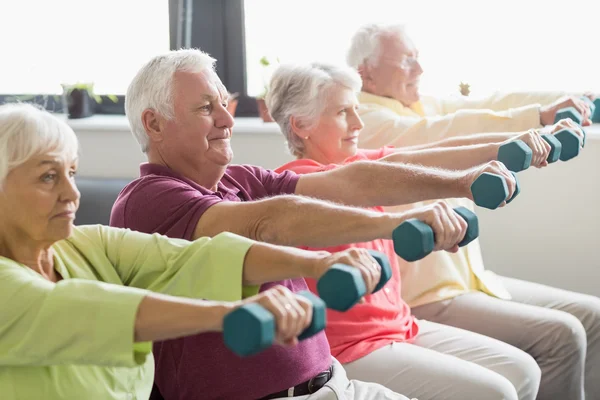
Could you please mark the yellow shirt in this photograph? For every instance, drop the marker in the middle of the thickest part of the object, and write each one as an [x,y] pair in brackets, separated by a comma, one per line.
[74,339]
[443,275]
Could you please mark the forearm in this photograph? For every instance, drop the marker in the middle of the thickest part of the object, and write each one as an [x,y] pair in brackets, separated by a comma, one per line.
[470,140]
[460,157]
[162,317]
[299,221]
[374,183]
[269,263]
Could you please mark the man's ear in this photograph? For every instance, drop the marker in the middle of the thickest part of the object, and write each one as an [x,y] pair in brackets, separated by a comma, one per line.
[153,125]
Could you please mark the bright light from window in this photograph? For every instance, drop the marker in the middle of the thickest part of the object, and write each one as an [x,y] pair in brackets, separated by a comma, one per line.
[506,46]
[46,43]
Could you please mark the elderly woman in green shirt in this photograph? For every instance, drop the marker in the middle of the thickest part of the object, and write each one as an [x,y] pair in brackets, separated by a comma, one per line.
[79,306]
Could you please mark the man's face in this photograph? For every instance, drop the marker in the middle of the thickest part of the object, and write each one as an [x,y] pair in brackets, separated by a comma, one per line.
[200,131]
[396,72]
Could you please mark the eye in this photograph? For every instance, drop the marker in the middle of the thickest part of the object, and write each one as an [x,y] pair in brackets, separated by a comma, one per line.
[72,173]
[206,108]
[48,178]
[342,111]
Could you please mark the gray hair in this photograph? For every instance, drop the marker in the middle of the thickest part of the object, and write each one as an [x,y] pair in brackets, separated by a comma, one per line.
[27,131]
[365,45]
[300,90]
[152,87]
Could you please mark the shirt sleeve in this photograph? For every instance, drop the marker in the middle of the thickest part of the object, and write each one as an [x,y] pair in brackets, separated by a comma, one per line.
[207,268]
[166,206]
[495,102]
[273,182]
[73,321]
[385,128]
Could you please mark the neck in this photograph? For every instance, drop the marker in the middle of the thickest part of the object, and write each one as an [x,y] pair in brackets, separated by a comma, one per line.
[207,176]
[320,157]
[34,254]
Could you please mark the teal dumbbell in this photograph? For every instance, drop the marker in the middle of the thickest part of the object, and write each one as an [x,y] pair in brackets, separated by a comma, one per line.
[516,156]
[570,145]
[596,115]
[571,112]
[517,189]
[592,106]
[414,239]
[250,329]
[342,286]
[555,147]
[489,190]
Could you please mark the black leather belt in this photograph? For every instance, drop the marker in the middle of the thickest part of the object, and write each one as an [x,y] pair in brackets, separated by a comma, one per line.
[310,386]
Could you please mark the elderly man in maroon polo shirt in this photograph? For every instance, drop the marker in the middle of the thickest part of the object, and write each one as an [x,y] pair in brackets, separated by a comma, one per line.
[176,106]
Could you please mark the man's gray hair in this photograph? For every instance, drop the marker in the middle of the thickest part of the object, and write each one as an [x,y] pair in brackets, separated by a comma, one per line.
[152,87]
[365,45]
[301,91]
[27,131]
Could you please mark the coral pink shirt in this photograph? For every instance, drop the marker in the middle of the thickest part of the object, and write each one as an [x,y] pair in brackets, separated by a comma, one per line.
[384,317]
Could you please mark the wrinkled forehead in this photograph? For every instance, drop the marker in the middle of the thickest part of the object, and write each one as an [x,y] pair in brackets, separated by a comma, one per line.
[205,83]
[396,46]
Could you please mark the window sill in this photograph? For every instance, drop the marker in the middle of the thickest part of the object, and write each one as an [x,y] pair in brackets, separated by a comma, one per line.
[119,123]
[243,125]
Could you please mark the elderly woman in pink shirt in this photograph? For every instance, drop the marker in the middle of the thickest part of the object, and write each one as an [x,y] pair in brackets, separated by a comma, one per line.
[380,340]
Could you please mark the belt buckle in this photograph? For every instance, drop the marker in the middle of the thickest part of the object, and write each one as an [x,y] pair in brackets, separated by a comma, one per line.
[314,381]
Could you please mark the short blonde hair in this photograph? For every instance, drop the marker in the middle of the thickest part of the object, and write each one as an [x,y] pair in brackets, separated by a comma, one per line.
[301,91]
[27,131]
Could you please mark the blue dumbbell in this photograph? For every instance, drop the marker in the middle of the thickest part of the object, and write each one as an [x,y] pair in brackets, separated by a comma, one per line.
[489,190]
[250,329]
[414,239]
[516,156]
[342,286]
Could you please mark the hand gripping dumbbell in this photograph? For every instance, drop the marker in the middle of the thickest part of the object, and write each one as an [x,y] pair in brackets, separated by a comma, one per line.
[490,190]
[414,239]
[568,147]
[342,286]
[592,106]
[250,329]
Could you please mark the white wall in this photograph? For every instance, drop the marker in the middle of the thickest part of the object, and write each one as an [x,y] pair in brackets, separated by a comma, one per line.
[548,234]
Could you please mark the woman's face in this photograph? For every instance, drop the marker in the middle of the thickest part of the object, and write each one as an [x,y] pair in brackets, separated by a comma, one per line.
[335,135]
[38,199]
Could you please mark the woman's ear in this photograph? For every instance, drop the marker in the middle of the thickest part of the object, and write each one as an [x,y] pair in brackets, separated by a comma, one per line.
[152,122]
[299,128]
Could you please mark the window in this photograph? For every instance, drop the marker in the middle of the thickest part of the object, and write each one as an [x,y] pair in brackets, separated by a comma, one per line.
[508,46]
[46,43]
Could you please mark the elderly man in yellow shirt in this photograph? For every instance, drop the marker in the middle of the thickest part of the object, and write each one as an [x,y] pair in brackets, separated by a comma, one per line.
[560,329]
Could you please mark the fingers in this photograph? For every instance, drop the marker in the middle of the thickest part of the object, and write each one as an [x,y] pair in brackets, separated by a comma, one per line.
[498,168]
[290,316]
[449,227]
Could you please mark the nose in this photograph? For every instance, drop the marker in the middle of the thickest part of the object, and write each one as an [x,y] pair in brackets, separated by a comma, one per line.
[70,192]
[356,122]
[223,118]
[418,69]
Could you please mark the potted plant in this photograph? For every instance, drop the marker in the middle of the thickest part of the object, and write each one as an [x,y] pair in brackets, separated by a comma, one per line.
[80,101]
[260,99]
